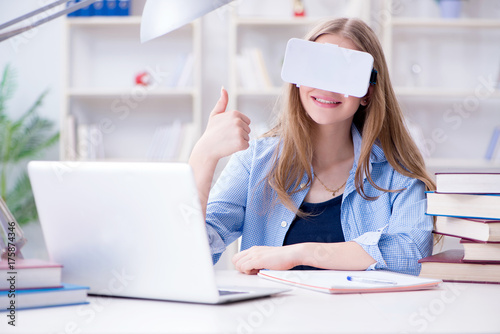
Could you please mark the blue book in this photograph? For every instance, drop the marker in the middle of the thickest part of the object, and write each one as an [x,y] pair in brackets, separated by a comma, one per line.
[493,144]
[476,206]
[68,294]
[110,7]
[98,8]
[86,11]
[71,3]
[123,8]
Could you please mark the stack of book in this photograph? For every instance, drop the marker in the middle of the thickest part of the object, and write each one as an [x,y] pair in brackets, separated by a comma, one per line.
[35,283]
[466,206]
[29,283]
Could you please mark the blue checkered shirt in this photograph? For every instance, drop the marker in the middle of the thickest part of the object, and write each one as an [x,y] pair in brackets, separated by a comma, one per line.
[393,229]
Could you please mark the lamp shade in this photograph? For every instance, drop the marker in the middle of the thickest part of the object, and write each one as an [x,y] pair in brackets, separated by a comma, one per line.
[163,16]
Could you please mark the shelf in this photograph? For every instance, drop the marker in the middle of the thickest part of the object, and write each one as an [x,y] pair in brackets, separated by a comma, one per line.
[110,21]
[440,92]
[104,21]
[264,21]
[255,92]
[445,23]
[102,56]
[118,92]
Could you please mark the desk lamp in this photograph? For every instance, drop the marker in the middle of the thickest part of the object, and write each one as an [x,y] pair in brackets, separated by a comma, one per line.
[159,16]
[163,16]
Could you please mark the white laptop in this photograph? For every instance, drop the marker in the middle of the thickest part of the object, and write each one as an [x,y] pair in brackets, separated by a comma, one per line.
[131,229]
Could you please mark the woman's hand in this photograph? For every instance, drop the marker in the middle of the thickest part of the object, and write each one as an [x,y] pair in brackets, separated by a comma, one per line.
[338,255]
[226,132]
[250,261]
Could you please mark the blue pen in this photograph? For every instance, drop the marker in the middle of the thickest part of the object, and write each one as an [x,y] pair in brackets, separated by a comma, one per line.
[370,280]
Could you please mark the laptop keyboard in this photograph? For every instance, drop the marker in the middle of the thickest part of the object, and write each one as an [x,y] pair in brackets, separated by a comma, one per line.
[226,292]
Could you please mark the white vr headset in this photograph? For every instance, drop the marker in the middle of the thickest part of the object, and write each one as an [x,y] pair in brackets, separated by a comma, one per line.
[328,67]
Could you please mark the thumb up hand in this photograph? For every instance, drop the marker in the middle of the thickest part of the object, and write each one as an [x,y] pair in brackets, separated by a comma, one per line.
[227,132]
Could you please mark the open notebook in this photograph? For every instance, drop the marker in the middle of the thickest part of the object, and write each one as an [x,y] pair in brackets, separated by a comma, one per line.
[337,281]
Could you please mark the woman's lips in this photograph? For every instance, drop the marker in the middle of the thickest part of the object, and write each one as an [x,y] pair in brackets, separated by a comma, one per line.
[326,102]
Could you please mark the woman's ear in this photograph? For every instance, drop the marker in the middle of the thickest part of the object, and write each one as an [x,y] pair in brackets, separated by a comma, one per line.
[366,99]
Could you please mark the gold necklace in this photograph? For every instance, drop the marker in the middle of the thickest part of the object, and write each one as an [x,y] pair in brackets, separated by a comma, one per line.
[328,189]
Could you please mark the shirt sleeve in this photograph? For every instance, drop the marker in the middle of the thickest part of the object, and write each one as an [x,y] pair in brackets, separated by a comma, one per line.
[226,204]
[406,238]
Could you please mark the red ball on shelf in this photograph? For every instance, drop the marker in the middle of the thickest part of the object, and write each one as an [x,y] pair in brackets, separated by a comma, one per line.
[143,79]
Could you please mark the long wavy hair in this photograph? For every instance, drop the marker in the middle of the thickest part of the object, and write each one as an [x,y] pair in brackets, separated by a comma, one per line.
[380,122]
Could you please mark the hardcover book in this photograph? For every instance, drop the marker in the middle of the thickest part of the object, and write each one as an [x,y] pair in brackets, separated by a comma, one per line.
[475,229]
[450,266]
[464,205]
[30,274]
[494,145]
[123,8]
[110,7]
[480,251]
[468,183]
[98,8]
[68,294]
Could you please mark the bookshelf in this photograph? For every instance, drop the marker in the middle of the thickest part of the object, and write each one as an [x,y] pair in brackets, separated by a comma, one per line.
[445,72]
[102,57]
[264,27]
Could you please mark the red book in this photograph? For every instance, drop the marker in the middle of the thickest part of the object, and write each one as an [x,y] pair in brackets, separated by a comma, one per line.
[451,267]
[29,274]
[475,229]
[478,251]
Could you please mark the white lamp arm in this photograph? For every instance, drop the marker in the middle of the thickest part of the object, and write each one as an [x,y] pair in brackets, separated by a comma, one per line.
[17,31]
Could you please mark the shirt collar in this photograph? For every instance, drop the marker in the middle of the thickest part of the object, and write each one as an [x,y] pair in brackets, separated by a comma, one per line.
[377,154]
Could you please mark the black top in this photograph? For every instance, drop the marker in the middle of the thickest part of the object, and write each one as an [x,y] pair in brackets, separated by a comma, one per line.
[322,225]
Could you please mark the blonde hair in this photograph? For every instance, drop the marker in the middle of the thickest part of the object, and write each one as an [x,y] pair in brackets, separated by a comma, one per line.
[380,122]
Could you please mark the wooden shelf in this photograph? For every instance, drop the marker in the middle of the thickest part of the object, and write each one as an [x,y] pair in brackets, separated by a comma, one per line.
[447,60]
[101,56]
[435,92]
[118,92]
[256,92]
[104,21]
[110,21]
[280,21]
[445,23]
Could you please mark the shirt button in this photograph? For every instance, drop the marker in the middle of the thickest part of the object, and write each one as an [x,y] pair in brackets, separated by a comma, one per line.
[302,185]
[283,223]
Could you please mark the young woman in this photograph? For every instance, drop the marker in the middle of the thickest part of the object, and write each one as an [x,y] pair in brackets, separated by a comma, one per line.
[338,183]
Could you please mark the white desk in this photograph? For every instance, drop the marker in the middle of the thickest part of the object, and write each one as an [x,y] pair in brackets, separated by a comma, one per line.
[453,308]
